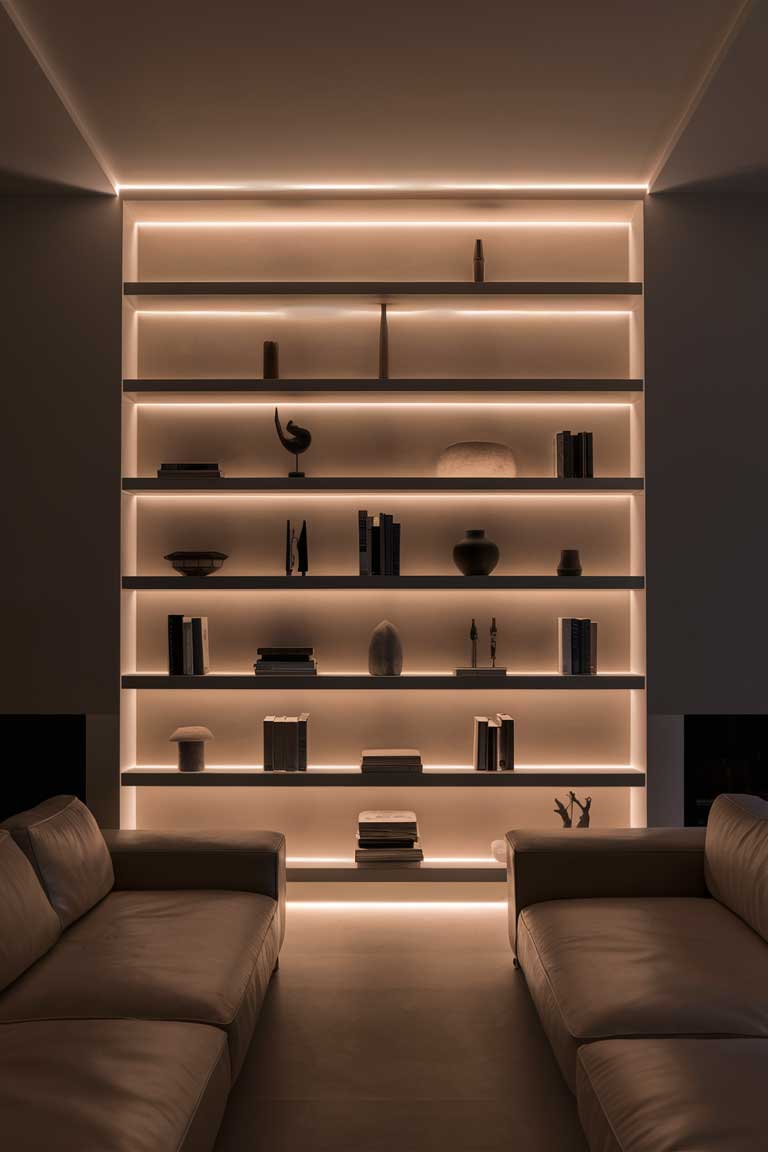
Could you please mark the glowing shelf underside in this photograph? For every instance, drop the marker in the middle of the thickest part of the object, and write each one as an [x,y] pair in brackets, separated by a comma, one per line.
[224,484]
[445,682]
[609,777]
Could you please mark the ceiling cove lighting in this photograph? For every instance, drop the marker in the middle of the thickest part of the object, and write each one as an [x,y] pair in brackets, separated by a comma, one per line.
[393,186]
[223,495]
[319,312]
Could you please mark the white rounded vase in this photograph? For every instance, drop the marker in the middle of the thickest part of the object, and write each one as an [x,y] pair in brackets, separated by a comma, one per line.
[476,458]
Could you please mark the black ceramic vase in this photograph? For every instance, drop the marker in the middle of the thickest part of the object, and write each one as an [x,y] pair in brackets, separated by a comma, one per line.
[385,651]
[474,555]
[570,563]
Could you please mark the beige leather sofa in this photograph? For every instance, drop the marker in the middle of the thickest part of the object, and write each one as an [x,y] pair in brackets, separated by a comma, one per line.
[132,970]
[646,955]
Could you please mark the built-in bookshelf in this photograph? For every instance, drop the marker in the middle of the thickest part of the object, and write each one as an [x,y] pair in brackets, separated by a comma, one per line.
[551,340]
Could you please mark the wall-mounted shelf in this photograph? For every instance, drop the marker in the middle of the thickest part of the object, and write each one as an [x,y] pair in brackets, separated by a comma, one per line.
[365,683]
[360,484]
[318,389]
[388,288]
[431,778]
[378,583]
[428,872]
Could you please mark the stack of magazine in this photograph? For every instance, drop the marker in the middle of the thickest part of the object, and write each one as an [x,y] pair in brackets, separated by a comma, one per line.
[285,662]
[388,838]
[391,760]
[285,743]
[193,470]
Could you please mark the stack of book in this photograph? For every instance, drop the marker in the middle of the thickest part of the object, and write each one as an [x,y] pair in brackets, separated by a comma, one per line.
[379,544]
[194,470]
[577,646]
[494,743]
[285,743]
[573,455]
[188,646]
[388,838]
[391,760]
[285,662]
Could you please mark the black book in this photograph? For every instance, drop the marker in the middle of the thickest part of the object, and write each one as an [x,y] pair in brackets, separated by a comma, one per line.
[363,543]
[480,749]
[492,750]
[385,521]
[578,456]
[374,842]
[191,467]
[506,742]
[589,467]
[269,726]
[285,653]
[302,724]
[582,632]
[188,474]
[592,663]
[175,645]
[560,454]
[395,549]
[376,548]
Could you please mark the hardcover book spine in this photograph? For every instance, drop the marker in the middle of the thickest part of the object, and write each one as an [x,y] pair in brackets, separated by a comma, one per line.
[579,456]
[565,626]
[269,723]
[189,659]
[560,454]
[302,724]
[199,645]
[492,751]
[592,669]
[278,744]
[175,645]
[568,454]
[396,549]
[385,537]
[375,548]
[363,540]
[589,467]
[291,743]
[506,743]
[480,752]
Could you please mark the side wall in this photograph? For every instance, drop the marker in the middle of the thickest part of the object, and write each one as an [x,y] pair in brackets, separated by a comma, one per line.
[61,366]
[707,466]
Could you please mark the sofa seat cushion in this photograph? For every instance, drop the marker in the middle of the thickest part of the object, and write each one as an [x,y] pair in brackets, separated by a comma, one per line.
[203,957]
[673,1095]
[111,1086]
[647,966]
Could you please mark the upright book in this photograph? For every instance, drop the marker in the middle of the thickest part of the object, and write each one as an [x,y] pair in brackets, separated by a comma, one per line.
[506,742]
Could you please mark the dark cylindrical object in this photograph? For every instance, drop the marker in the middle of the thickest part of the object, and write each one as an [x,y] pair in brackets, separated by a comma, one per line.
[474,555]
[479,263]
[570,563]
[271,360]
[191,755]
[383,345]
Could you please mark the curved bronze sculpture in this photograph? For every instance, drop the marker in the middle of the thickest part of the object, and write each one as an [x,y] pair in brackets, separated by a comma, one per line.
[298,440]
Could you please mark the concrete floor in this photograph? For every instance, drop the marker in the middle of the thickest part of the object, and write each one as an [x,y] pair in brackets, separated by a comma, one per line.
[399,1027]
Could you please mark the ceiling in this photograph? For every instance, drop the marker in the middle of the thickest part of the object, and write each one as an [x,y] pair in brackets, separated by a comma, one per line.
[310,92]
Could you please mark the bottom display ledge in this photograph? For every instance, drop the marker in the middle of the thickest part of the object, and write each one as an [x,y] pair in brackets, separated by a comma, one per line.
[429,872]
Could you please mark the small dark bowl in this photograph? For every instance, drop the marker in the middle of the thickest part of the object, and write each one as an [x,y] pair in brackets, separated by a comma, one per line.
[196,563]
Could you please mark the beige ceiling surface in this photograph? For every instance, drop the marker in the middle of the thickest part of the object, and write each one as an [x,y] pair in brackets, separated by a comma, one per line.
[313,91]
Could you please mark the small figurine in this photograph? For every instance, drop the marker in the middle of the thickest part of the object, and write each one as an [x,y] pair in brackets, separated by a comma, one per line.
[585,807]
[566,812]
[563,813]
[301,440]
[473,638]
[494,634]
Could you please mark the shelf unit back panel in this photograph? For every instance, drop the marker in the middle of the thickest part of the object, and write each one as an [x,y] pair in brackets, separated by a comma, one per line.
[359,439]
[552,728]
[453,822]
[530,530]
[341,340]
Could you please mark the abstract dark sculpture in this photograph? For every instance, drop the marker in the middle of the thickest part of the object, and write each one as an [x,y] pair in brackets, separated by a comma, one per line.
[566,812]
[296,549]
[494,635]
[473,638]
[385,651]
[298,440]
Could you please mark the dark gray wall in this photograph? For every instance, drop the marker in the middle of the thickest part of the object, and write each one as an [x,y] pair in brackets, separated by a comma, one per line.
[707,465]
[61,367]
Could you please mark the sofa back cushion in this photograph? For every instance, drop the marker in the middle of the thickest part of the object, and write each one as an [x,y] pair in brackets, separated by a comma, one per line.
[736,858]
[28,924]
[67,850]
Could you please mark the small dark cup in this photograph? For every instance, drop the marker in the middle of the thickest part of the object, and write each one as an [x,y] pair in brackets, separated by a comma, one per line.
[570,563]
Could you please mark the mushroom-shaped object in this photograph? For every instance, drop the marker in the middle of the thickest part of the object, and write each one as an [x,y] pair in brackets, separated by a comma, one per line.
[191,741]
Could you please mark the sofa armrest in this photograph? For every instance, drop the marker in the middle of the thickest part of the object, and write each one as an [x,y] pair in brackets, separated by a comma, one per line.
[231,861]
[576,864]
